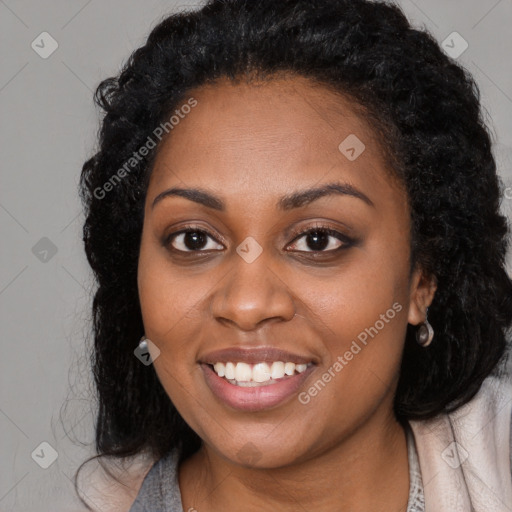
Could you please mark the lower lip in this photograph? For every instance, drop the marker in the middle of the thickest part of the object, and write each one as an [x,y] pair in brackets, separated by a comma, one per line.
[254,398]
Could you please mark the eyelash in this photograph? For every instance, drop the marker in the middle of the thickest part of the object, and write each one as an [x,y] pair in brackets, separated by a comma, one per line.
[297,234]
[347,242]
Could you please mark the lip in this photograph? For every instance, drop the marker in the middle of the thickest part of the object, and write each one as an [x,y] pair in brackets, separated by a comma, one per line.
[253,399]
[255,355]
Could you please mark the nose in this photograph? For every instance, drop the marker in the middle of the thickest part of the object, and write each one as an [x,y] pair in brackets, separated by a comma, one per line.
[252,294]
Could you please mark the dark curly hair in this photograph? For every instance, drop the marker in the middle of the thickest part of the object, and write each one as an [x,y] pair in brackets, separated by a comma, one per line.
[421,103]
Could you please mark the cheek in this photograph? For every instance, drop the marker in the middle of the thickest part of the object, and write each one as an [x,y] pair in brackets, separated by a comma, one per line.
[353,297]
[361,315]
[171,307]
[166,297]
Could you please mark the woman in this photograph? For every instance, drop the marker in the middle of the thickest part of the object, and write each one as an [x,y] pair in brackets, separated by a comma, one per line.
[302,302]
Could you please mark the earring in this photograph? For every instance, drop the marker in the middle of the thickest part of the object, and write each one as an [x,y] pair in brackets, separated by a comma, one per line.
[143,344]
[424,333]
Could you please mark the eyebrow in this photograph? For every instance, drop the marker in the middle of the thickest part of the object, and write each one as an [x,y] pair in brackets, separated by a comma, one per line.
[288,202]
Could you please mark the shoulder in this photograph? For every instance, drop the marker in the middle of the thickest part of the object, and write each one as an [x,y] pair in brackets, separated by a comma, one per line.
[461,451]
[103,492]
[484,419]
[160,488]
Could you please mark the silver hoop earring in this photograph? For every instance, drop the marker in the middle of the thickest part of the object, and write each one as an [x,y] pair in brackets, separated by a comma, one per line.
[425,333]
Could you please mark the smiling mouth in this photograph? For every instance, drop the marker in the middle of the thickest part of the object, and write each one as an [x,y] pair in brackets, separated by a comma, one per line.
[249,395]
[259,374]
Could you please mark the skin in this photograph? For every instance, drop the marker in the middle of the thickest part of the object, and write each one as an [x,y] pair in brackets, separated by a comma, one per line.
[251,144]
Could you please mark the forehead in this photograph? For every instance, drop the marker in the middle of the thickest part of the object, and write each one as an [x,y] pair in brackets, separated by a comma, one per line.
[280,133]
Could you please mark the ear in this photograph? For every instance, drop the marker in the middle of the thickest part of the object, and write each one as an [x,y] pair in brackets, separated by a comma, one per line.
[422,291]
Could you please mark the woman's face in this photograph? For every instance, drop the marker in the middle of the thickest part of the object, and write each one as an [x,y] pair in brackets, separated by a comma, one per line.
[245,278]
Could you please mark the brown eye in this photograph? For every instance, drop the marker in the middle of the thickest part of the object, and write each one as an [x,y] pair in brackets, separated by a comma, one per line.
[320,240]
[192,240]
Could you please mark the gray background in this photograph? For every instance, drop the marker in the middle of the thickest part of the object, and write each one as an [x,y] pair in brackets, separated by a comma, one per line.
[48,128]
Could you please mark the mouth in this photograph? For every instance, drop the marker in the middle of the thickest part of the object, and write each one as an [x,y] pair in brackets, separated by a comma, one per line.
[255,387]
[259,374]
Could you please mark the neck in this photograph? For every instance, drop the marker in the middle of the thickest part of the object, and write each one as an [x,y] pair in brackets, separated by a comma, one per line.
[367,470]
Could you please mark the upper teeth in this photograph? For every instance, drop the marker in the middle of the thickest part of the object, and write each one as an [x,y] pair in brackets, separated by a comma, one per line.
[260,372]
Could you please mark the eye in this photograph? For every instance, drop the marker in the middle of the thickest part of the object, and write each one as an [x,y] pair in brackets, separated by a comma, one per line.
[192,240]
[320,239]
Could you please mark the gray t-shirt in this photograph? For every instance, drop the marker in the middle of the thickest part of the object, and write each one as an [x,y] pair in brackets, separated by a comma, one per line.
[160,490]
